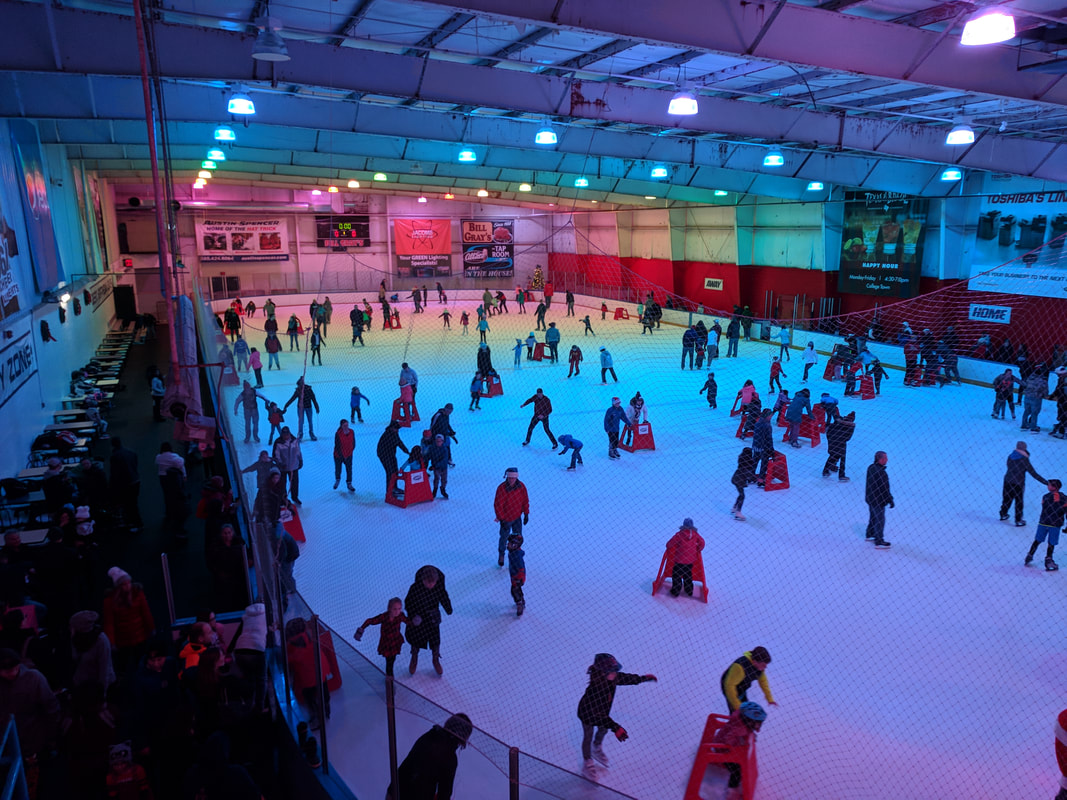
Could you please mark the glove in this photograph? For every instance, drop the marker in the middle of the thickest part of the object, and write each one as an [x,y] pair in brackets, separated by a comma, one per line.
[891,503]
[621,734]
[416,620]
[526,518]
[650,677]
[359,635]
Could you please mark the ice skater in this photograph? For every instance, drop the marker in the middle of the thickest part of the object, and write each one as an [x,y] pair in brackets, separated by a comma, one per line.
[1015,482]
[476,391]
[750,668]
[1004,392]
[613,417]
[878,496]
[837,435]
[572,444]
[511,507]
[811,358]
[517,349]
[422,605]
[684,548]
[574,361]
[744,724]
[446,315]
[776,371]
[606,366]
[1053,509]
[743,475]
[588,326]
[712,389]
[465,320]
[637,412]
[517,571]
[390,639]
[594,709]
[354,401]
[542,408]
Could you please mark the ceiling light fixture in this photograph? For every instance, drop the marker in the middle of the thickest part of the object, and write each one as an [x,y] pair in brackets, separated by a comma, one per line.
[316,192]
[546,136]
[380,176]
[581,183]
[224,133]
[353,184]
[658,171]
[525,187]
[333,190]
[240,103]
[988,28]
[208,164]
[199,183]
[269,46]
[422,199]
[203,175]
[960,134]
[483,193]
[683,104]
[721,193]
[951,174]
[773,159]
[650,197]
[815,186]
[467,156]
[216,154]
[449,196]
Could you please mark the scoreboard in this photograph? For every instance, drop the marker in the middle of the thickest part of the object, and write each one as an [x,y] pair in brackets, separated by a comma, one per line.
[342,230]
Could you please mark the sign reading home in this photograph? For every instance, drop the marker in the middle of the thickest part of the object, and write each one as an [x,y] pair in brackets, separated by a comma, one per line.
[714,284]
[998,314]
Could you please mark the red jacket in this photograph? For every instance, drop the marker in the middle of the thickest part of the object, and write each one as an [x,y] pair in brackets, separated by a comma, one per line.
[542,405]
[301,657]
[128,626]
[391,639]
[575,356]
[510,505]
[273,344]
[686,546]
[344,442]
[776,368]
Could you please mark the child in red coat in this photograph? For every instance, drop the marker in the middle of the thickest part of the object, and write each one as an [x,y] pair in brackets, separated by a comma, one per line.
[390,640]
[776,371]
[684,548]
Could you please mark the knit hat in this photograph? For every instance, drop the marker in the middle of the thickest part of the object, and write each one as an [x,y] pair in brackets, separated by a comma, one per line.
[851,416]
[83,621]
[605,662]
[1022,446]
[601,349]
[511,471]
[615,401]
[119,575]
[688,523]
[1061,370]
[82,514]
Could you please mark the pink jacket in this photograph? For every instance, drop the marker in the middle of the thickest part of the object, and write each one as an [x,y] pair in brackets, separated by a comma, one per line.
[686,544]
[254,361]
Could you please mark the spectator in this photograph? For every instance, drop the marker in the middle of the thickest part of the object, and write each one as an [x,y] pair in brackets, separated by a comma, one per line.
[429,769]
[299,648]
[158,391]
[24,693]
[128,621]
[90,651]
[92,486]
[249,651]
[226,560]
[167,459]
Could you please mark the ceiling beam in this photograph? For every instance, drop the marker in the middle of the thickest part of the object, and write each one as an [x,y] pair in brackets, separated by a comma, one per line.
[935,14]
[348,27]
[439,34]
[839,5]
[585,59]
[667,63]
[507,51]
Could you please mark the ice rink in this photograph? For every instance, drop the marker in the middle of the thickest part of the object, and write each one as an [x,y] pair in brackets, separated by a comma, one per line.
[934,669]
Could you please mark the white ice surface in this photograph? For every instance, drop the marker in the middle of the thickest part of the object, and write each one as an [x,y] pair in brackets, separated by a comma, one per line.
[931,670]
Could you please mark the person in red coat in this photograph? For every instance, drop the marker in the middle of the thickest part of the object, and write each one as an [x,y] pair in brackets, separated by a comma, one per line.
[684,549]
[390,640]
[300,652]
[575,361]
[128,621]
[512,508]
[1061,753]
[344,443]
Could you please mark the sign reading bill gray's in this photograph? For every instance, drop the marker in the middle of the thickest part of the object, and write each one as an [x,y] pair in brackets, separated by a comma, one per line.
[18,363]
[342,230]
[101,291]
[242,240]
[998,314]
[488,248]
[881,244]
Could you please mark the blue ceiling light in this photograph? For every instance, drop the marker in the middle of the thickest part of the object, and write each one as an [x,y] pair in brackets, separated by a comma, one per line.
[209,164]
[240,103]
[721,193]
[951,174]
[658,171]
[683,104]
[467,156]
[815,186]
[960,134]
[773,159]
[224,133]
[546,136]
[581,183]
[216,155]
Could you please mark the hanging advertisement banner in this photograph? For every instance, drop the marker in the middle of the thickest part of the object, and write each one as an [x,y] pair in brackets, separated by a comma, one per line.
[9,249]
[242,240]
[881,244]
[1010,227]
[488,248]
[423,247]
[47,270]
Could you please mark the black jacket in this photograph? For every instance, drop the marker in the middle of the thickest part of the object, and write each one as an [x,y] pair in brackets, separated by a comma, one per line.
[441,423]
[429,770]
[388,443]
[1018,466]
[838,434]
[124,468]
[878,493]
[595,706]
[485,361]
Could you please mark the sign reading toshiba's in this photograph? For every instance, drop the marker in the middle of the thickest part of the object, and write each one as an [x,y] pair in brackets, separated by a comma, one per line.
[714,284]
[998,314]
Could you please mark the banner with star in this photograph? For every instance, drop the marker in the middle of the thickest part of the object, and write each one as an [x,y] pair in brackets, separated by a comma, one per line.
[423,247]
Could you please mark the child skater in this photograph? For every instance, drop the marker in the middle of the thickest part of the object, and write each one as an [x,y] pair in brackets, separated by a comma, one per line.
[570,443]
[700,355]
[594,709]
[1053,509]
[745,722]
[518,353]
[685,547]
[746,466]
[446,315]
[353,401]
[588,326]
[517,570]
[476,391]
[275,418]
[878,372]
[390,640]
[776,370]
[465,320]
[712,388]
[603,310]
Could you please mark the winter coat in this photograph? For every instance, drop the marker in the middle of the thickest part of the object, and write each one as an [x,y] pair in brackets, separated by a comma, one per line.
[128,626]
[246,400]
[613,417]
[689,339]
[511,503]
[746,468]
[1018,466]
[304,397]
[240,348]
[542,405]
[686,545]
[605,359]
[878,493]
[287,454]
[390,640]
[437,457]
[300,653]
[595,706]
[1035,387]
[344,442]
[799,404]
[271,325]
[388,443]
[1053,509]
[253,635]
[733,330]
[810,356]
[424,603]
[429,771]
[569,442]
[485,361]
[575,356]
[355,399]
[763,436]
[737,679]
[552,335]
[838,434]
[254,360]
[517,565]
[441,423]
[272,344]
[34,706]
[637,410]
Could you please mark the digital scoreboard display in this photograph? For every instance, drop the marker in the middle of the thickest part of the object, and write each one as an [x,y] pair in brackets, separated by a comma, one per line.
[342,230]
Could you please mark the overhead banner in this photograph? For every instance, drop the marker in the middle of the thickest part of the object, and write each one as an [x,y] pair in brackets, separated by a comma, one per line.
[1012,229]
[488,248]
[423,247]
[881,247]
[44,253]
[242,240]
[9,249]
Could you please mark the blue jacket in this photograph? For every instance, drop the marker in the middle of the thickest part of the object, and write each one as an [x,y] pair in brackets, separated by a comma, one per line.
[612,417]
[568,442]
[689,338]
[605,359]
[795,412]
[552,335]
[763,436]
[353,400]
[517,562]
[240,347]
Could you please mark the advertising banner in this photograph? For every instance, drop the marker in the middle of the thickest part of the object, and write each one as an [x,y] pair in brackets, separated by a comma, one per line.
[982,313]
[1012,225]
[9,249]
[44,253]
[488,248]
[423,247]
[881,248]
[242,240]
[18,363]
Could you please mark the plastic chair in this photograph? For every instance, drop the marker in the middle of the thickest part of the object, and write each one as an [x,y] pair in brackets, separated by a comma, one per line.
[666,567]
[712,752]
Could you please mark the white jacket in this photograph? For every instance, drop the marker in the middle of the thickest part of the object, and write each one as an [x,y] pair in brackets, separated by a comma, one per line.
[253,629]
[810,356]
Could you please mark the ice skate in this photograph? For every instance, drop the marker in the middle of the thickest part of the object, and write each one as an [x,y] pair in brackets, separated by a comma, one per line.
[336,483]
[437,664]
[600,755]
[1020,523]
[444,494]
[1028,561]
[883,544]
[500,560]
[589,769]
[351,488]
[1003,517]
[844,479]
[1050,565]
[738,515]
[519,608]
[414,663]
